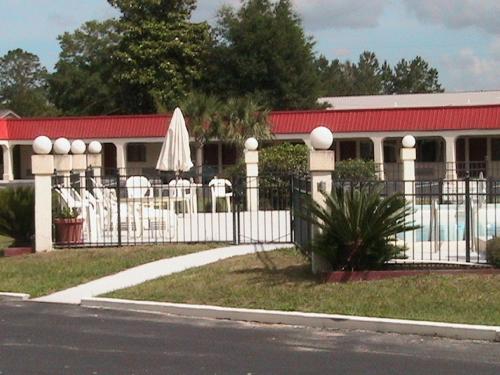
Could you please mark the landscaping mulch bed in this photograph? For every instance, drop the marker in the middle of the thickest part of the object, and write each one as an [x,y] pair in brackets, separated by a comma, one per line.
[346,276]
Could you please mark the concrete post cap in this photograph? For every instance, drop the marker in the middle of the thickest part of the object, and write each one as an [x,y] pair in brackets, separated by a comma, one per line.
[42,145]
[251,144]
[62,146]
[95,147]
[78,147]
[321,138]
[408,141]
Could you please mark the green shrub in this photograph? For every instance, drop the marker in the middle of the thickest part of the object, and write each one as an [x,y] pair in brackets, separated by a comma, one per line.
[17,208]
[355,170]
[357,226]
[285,158]
[493,251]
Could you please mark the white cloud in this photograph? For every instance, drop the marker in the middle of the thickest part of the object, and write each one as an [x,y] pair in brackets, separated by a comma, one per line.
[483,14]
[470,71]
[328,14]
[316,14]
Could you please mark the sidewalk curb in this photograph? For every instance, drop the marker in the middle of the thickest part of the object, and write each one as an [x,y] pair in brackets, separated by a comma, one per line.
[14,296]
[449,330]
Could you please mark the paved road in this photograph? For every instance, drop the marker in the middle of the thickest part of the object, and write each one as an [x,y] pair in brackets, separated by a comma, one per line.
[37,338]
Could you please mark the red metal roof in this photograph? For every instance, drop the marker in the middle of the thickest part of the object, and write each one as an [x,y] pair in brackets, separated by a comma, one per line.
[387,120]
[290,122]
[101,127]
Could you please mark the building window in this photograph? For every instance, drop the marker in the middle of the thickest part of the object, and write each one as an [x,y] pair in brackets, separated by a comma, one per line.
[136,152]
[430,150]
[390,151]
[366,150]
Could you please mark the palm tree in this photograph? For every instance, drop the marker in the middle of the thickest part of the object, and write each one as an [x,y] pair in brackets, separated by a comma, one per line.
[202,113]
[244,118]
[357,226]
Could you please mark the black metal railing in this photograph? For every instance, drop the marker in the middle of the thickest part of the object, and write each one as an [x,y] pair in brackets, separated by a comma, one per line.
[125,208]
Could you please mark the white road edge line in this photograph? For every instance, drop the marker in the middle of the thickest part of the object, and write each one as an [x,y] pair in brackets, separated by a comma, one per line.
[316,320]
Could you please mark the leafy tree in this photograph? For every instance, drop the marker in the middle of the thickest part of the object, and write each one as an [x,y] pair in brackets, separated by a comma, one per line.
[161,54]
[203,117]
[357,226]
[416,76]
[83,81]
[386,75]
[23,84]
[335,77]
[367,75]
[262,51]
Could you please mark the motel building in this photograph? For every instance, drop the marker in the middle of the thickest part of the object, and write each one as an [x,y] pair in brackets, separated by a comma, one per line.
[455,133]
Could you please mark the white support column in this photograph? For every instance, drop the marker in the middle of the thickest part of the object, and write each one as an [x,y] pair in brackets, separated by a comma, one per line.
[408,156]
[252,164]
[79,164]
[321,166]
[489,157]
[378,156]
[94,159]
[42,167]
[8,170]
[63,164]
[451,157]
[121,153]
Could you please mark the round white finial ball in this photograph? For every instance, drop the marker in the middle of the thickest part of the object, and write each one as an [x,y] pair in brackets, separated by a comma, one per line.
[78,147]
[95,147]
[62,146]
[321,138]
[42,145]
[251,144]
[408,141]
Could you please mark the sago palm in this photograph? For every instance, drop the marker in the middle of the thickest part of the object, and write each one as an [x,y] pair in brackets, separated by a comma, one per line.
[17,206]
[357,227]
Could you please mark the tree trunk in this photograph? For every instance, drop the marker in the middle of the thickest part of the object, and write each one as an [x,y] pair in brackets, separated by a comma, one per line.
[199,163]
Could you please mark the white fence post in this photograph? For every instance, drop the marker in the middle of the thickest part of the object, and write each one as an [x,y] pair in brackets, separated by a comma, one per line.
[252,169]
[321,166]
[408,157]
[94,160]
[42,166]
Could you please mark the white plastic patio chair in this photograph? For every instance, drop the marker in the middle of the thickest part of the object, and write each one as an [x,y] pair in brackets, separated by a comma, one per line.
[181,191]
[218,188]
[139,187]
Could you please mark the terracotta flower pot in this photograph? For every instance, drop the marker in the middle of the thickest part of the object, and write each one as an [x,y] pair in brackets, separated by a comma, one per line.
[69,231]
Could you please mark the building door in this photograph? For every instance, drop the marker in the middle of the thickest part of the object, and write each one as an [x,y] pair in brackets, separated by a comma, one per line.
[109,159]
[477,156]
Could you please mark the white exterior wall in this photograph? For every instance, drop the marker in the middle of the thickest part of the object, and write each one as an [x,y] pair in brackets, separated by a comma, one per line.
[152,154]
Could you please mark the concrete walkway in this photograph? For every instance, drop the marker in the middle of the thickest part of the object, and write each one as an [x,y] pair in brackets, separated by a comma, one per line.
[153,270]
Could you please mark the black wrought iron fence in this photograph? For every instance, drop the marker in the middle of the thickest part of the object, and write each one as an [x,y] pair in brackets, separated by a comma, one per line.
[125,208]
[455,217]
[302,228]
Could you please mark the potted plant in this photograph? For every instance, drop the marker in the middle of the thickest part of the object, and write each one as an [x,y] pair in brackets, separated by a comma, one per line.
[17,207]
[69,228]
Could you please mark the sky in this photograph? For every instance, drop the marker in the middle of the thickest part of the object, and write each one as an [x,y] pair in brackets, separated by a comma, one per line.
[461,38]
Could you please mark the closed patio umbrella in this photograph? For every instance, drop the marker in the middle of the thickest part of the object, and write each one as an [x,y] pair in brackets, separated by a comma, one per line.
[175,153]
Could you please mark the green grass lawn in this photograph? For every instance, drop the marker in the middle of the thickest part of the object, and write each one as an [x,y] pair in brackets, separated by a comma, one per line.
[281,280]
[44,273]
